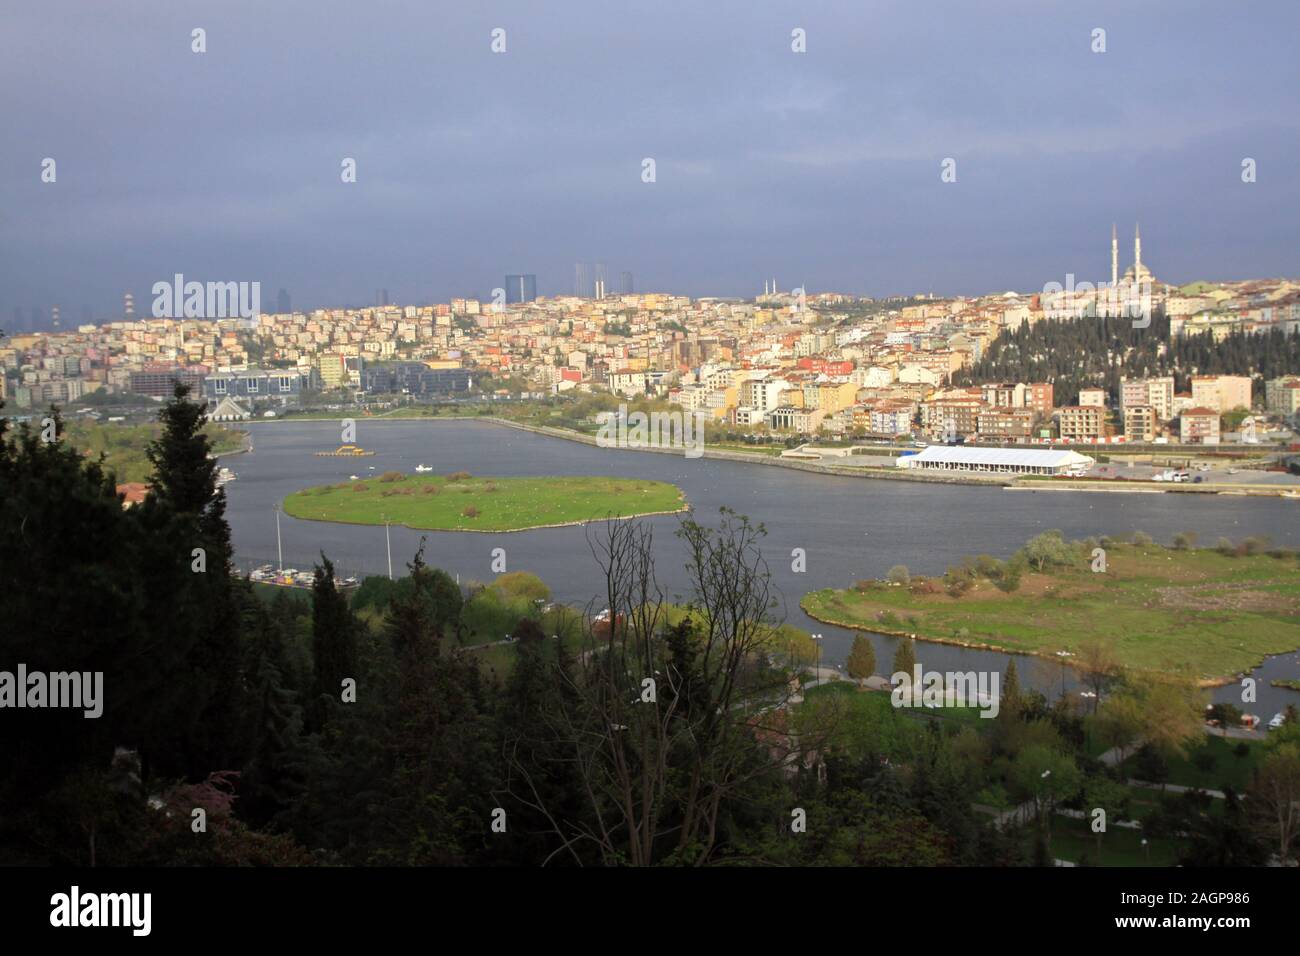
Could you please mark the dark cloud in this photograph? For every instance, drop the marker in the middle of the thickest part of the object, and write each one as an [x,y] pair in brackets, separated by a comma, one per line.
[820,168]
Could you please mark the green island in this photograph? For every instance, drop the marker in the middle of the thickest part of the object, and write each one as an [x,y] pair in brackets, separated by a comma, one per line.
[462,502]
[1205,613]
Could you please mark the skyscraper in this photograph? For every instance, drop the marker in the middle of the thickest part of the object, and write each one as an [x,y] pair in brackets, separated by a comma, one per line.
[283,305]
[521,288]
[581,279]
[625,283]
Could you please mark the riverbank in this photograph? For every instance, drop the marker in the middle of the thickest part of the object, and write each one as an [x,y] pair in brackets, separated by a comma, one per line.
[1209,615]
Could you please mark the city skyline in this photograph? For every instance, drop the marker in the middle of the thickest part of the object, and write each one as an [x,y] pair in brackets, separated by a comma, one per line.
[824,165]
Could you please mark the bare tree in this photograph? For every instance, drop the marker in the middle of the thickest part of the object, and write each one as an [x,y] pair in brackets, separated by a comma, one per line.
[669,712]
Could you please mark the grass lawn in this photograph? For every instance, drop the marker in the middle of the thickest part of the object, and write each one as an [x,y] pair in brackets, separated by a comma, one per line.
[1197,612]
[1073,838]
[447,503]
[1227,770]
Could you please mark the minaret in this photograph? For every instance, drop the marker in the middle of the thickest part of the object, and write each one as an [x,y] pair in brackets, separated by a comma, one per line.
[1114,257]
[1137,253]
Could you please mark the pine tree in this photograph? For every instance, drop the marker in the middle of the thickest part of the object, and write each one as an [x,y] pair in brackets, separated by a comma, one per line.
[334,642]
[1010,700]
[862,658]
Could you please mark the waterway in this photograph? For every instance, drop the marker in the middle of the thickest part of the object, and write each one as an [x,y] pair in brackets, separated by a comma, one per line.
[849,528]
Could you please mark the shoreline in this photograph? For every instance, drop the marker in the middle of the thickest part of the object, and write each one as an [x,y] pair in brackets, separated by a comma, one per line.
[1202,682]
[532,527]
[1010,483]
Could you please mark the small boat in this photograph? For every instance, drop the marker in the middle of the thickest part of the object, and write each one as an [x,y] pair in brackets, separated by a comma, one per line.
[353,478]
[424,468]
[344,451]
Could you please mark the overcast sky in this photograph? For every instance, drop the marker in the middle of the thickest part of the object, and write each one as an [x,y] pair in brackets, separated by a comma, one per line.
[821,168]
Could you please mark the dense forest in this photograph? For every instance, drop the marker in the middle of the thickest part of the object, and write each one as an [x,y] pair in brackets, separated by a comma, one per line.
[1098,352]
[242,730]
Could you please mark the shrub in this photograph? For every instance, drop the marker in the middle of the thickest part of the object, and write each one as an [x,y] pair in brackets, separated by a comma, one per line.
[391,476]
[470,512]
[1184,540]
[1255,545]
[489,488]
[899,574]
[429,490]
[1142,539]
[1224,546]
[458,476]
[324,490]
[359,486]
[958,580]
[1048,548]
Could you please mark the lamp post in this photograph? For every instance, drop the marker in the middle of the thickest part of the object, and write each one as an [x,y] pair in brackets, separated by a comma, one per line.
[388,546]
[279,550]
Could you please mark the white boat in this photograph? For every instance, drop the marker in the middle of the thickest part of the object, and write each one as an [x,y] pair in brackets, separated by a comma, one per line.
[1278,720]
[353,478]
[423,468]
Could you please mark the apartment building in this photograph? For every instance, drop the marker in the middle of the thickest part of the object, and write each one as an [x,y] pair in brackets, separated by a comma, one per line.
[1140,423]
[1199,426]
[1158,393]
[1223,393]
[1092,397]
[1081,422]
[1282,396]
[1006,424]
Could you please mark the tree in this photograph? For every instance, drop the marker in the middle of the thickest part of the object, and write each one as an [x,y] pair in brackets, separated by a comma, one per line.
[1119,723]
[899,574]
[334,641]
[1046,777]
[663,736]
[1011,700]
[1047,549]
[1097,661]
[1172,715]
[862,658]
[905,657]
[1274,798]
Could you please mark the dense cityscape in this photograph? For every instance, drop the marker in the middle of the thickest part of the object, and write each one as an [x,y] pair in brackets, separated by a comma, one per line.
[791,440]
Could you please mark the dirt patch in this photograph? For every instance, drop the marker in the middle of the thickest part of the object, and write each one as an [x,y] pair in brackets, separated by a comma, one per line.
[1227,598]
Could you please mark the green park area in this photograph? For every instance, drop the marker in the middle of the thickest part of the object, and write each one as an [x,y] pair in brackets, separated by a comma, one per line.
[462,502]
[123,446]
[1205,613]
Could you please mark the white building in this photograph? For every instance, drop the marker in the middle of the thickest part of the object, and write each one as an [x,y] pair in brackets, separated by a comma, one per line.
[1000,461]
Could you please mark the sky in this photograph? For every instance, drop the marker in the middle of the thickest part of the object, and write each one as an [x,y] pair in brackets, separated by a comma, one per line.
[819,169]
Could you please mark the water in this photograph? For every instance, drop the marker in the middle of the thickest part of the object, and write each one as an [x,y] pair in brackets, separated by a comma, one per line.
[850,528]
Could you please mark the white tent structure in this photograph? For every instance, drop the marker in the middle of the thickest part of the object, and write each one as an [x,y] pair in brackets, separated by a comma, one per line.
[1001,461]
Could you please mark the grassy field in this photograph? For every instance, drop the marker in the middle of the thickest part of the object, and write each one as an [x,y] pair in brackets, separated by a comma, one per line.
[1199,612]
[1212,765]
[124,445]
[464,503]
